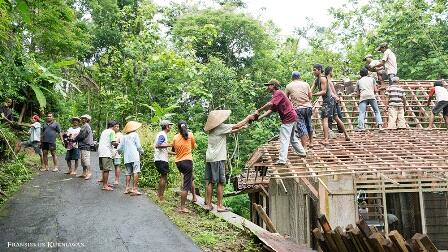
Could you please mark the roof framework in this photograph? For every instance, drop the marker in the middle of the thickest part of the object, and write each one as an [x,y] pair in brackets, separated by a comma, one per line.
[411,160]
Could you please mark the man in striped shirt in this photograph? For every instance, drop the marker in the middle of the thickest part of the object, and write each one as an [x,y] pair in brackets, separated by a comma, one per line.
[396,102]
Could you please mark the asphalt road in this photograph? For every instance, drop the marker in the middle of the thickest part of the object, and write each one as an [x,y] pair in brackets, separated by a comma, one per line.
[55,212]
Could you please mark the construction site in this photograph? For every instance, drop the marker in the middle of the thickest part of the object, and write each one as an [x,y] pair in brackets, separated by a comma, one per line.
[388,182]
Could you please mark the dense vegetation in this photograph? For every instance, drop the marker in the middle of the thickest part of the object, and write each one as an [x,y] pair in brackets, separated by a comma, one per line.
[126,59]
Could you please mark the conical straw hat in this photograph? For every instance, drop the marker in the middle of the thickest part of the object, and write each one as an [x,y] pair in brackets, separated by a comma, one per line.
[215,118]
[131,126]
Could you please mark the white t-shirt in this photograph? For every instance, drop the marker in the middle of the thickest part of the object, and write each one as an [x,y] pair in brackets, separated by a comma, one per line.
[217,143]
[72,133]
[105,147]
[441,93]
[390,62]
[161,154]
[35,132]
[366,88]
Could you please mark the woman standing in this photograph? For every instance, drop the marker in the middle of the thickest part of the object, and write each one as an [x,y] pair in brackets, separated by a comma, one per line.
[183,145]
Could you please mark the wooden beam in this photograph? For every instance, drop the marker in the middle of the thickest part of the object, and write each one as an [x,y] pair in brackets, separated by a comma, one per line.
[270,226]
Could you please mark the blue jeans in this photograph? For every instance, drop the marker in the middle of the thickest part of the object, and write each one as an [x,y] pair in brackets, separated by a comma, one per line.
[362,112]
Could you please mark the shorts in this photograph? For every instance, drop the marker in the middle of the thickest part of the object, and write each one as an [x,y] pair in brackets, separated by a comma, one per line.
[390,76]
[328,108]
[72,154]
[162,167]
[117,161]
[132,168]
[304,126]
[186,168]
[106,164]
[441,106]
[48,146]
[215,172]
[35,145]
[85,158]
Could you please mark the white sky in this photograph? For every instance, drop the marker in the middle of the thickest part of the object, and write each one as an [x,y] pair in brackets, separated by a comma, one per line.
[286,14]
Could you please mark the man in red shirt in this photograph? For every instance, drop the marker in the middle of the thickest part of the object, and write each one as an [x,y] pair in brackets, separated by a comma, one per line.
[281,104]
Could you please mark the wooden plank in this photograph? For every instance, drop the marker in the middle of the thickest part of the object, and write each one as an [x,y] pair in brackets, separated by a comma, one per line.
[423,242]
[351,232]
[398,240]
[324,223]
[345,238]
[339,242]
[265,218]
[375,241]
[362,225]
[321,240]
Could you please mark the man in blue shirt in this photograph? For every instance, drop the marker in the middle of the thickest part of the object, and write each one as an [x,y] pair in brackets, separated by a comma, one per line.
[50,131]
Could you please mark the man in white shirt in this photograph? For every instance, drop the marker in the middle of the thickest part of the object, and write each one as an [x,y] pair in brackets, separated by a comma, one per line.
[106,153]
[161,156]
[441,94]
[34,140]
[366,89]
[389,61]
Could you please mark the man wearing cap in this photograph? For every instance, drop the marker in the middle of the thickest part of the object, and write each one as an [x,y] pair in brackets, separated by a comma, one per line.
[50,131]
[281,104]
[161,156]
[299,92]
[34,140]
[72,153]
[216,154]
[389,61]
[396,103]
[85,141]
[106,153]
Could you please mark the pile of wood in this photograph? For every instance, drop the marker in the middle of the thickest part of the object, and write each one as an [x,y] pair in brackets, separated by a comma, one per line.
[363,238]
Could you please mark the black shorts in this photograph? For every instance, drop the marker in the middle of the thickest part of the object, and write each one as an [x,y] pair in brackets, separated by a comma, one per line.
[186,168]
[162,167]
[48,146]
[72,154]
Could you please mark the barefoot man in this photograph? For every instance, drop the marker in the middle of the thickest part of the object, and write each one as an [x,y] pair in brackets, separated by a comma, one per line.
[216,154]
[85,141]
[106,153]
[50,131]
[161,156]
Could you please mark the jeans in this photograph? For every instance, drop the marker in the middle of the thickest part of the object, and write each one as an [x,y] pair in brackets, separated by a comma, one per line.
[287,135]
[362,112]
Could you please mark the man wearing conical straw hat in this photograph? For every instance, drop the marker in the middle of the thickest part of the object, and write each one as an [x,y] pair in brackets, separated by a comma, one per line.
[131,149]
[216,154]
[282,105]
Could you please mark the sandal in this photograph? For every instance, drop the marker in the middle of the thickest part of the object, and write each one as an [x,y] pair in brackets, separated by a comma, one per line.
[225,209]
[136,193]
[107,189]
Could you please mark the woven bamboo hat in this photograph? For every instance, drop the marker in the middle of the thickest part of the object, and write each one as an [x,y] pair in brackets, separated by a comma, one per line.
[215,118]
[131,126]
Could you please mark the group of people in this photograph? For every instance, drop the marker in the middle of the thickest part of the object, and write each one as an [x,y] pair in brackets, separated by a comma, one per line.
[294,106]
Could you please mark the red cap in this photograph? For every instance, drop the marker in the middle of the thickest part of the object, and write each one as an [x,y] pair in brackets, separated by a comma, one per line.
[36,118]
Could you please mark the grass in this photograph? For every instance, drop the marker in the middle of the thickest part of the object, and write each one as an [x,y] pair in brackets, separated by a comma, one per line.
[14,173]
[206,230]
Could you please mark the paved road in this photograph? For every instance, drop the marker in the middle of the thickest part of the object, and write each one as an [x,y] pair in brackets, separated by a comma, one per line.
[52,208]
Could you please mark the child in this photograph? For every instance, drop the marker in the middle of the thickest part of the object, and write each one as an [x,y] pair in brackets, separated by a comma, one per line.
[396,104]
[72,146]
[131,149]
[442,103]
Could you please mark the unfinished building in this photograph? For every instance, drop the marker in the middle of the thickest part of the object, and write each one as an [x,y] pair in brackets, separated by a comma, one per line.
[400,175]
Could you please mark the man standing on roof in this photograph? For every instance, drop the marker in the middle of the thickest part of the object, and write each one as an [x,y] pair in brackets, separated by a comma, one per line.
[366,89]
[299,92]
[216,154]
[328,103]
[389,61]
[442,103]
[281,104]
[396,103]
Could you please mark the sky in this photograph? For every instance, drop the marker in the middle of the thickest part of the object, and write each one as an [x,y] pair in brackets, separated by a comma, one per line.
[286,14]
